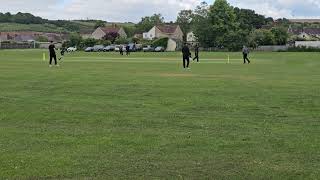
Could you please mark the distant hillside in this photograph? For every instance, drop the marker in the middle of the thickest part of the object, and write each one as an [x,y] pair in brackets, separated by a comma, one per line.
[29,22]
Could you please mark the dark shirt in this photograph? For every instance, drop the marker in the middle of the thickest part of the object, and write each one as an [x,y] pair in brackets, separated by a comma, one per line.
[62,52]
[52,50]
[128,48]
[186,52]
[196,50]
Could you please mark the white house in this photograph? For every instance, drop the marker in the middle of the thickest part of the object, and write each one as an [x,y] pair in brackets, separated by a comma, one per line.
[160,31]
[191,38]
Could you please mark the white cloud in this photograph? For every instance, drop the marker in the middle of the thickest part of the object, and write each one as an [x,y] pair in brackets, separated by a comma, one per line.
[282,8]
[133,10]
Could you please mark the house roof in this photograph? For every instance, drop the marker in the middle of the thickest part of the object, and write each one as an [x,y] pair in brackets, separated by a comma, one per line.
[310,31]
[305,20]
[23,37]
[110,29]
[167,29]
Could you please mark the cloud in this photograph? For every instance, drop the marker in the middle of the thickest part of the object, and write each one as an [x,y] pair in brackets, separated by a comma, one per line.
[282,8]
[133,10]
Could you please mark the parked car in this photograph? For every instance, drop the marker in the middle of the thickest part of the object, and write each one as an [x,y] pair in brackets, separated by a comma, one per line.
[117,48]
[89,49]
[71,49]
[98,48]
[148,49]
[109,48]
[159,49]
[139,47]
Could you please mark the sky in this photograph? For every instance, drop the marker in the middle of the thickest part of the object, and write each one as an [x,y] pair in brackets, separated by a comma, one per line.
[133,10]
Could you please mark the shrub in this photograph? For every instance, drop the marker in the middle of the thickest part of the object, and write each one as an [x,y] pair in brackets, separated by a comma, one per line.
[160,42]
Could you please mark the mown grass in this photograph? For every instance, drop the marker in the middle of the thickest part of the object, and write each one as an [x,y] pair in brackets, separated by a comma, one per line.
[102,116]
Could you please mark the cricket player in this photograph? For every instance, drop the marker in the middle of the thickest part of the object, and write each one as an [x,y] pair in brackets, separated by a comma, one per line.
[186,55]
[245,52]
[53,55]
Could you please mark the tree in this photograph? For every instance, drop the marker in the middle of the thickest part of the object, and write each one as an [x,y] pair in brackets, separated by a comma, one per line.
[148,22]
[280,35]
[222,21]
[249,20]
[75,39]
[111,36]
[90,42]
[184,20]
[99,23]
[261,37]
[42,39]
[130,30]
[200,17]
[121,40]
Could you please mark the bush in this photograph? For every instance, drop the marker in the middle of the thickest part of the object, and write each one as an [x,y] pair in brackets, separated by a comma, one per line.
[121,41]
[160,42]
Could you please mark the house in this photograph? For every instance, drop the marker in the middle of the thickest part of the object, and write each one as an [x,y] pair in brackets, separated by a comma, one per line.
[191,39]
[171,31]
[305,33]
[101,32]
[3,37]
[304,20]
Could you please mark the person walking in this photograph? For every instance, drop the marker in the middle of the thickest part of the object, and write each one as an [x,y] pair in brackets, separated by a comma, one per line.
[196,53]
[53,55]
[186,55]
[245,52]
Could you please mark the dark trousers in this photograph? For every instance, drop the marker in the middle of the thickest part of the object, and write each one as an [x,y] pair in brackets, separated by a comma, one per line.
[245,58]
[186,62]
[196,57]
[121,52]
[53,56]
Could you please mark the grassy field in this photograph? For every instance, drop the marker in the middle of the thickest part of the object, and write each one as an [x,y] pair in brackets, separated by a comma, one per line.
[102,116]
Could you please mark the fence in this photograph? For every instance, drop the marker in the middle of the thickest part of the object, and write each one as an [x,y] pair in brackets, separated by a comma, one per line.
[272,48]
[9,45]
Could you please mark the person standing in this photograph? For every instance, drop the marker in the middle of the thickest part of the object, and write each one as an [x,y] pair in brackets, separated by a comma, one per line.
[196,53]
[53,55]
[186,55]
[121,50]
[245,52]
[62,51]
[128,50]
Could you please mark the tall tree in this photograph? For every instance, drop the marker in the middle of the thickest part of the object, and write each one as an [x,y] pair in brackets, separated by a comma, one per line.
[184,20]
[99,23]
[200,18]
[148,22]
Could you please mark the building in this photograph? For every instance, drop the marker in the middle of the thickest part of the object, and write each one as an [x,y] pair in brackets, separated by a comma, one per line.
[304,20]
[27,36]
[101,32]
[191,39]
[171,31]
[305,33]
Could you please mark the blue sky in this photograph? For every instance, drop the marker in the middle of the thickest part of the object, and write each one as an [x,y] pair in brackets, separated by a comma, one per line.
[133,10]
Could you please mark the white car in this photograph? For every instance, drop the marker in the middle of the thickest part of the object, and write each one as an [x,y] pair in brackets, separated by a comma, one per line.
[72,49]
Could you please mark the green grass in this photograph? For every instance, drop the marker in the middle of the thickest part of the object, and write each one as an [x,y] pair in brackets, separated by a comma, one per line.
[5,27]
[102,116]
